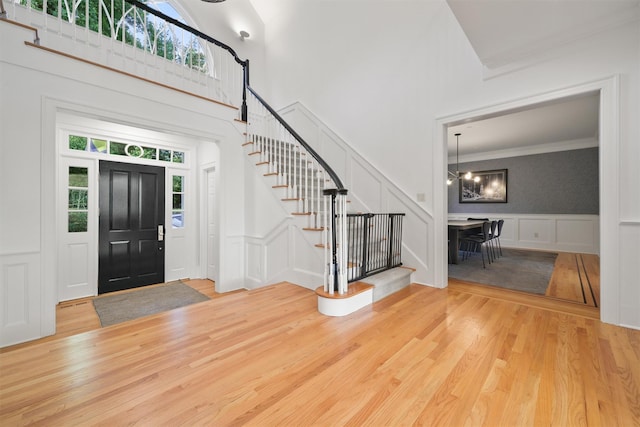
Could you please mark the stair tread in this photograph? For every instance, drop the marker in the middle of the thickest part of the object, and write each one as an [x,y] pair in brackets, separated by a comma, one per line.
[385,276]
[354,288]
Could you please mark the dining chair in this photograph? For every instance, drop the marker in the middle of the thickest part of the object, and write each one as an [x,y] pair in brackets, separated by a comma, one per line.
[478,241]
[499,232]
[474,231]
[493,235]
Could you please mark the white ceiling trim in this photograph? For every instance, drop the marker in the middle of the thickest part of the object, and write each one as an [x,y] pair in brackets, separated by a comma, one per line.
[577,144]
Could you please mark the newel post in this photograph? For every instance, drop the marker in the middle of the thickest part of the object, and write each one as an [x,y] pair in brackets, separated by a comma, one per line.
[336,241]
[245,77]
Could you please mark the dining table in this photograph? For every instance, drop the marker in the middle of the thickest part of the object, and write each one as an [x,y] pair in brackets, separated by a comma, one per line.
[456,227]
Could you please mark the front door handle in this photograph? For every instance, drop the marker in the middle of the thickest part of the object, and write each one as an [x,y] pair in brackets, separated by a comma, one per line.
[160,233]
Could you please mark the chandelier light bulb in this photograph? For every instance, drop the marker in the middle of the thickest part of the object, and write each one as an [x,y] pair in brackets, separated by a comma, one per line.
[467,175]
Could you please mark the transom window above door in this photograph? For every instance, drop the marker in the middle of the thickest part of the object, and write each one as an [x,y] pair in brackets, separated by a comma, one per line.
[126,149]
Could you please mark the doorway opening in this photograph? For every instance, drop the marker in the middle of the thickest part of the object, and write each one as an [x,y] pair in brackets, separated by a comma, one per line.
[605,136]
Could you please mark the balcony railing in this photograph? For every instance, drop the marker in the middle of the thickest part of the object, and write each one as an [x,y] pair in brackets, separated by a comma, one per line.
[125,34]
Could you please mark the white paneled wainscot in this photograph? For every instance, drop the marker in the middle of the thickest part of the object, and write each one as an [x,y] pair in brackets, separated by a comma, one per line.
[20,297]
[562,233]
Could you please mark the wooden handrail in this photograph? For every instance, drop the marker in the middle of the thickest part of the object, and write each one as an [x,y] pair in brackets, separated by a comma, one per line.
[3,18]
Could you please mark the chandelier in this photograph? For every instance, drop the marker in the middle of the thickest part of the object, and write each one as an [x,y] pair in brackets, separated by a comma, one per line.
[459,175]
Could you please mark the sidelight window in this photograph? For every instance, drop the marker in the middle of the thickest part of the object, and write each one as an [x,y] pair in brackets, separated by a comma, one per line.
[177,210]
[78,206]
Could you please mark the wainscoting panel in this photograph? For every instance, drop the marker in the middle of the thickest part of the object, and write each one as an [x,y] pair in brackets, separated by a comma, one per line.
[629,282]
[308,261]
[232,256]
[534,231]
[415,231]
[277,251]
[78,264]
[254,260]
[562,233]
[176,258]
[576,233]
[333,153]
[366,185]
[285,253]
[20,298]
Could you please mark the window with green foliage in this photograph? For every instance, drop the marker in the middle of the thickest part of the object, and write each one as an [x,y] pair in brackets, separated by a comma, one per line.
[177,211]
[78,142]
[121,21]
[116,148]
[178,157]
[78,196]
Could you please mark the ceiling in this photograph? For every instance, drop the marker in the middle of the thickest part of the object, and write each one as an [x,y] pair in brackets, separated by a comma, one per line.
[568,122]
[507,33]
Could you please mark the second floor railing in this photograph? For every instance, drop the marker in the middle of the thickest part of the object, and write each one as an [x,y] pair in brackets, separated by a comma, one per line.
[135,32]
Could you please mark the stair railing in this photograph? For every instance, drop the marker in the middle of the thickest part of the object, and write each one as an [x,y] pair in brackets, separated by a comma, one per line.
[309,182]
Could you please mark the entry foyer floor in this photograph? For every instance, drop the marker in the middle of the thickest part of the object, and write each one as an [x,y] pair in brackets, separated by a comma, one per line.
[267,357]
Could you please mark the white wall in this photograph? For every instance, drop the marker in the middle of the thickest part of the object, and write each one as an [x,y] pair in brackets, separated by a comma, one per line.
[380,76]
[223,21]
[35,86]
[369,190]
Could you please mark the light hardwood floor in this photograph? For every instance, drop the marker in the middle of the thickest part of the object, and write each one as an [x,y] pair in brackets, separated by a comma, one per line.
[78,316]
[576,277]
[267,357]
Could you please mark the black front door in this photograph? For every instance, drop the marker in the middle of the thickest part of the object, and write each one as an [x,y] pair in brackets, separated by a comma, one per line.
[131,248]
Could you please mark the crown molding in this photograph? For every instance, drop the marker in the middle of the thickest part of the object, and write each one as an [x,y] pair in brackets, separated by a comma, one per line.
[577,144]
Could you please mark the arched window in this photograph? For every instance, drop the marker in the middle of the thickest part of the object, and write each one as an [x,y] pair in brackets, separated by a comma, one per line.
[123,22]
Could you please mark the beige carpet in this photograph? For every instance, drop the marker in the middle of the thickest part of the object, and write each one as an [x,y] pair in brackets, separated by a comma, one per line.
[119,308]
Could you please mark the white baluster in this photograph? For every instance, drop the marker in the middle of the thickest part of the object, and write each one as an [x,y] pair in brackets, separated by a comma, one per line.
[290,170]
[324,244]
[343,284]
[306,186]
[294,171]
[312,202]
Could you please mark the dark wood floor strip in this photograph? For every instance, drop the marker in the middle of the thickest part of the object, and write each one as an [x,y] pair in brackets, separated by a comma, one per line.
[584,296]
[586,275]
